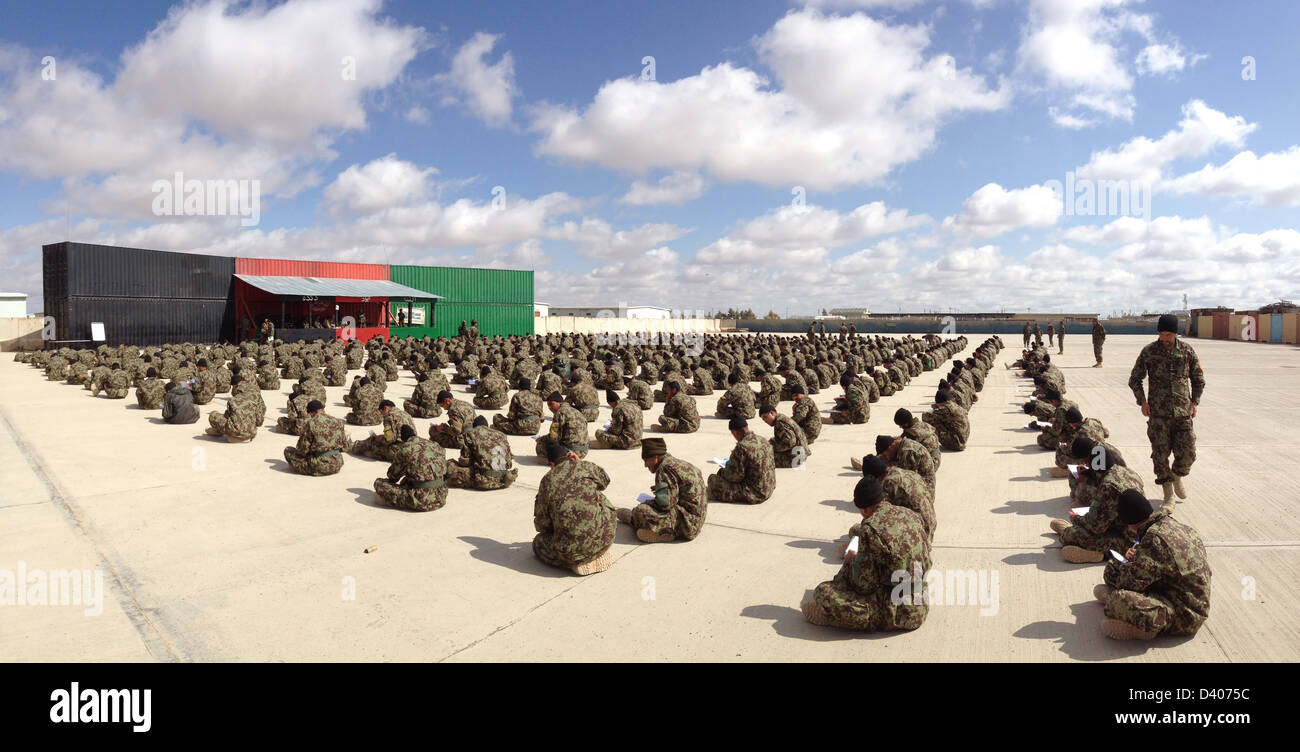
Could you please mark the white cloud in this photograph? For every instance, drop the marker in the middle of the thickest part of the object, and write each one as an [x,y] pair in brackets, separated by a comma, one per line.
[993,210]
[485,90]
[1122,230]
[800,226]
[675,188]
[595,238]
[1162,59]
[853,98]
[419,116]
[1272,179]
[379,184]
[863,4]
[1201,130]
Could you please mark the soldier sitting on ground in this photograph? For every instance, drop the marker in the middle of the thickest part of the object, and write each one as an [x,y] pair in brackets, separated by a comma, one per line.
[321,442]
[575,523]
[624,427]
[678,504]
[485,462]
[524,418]
[749,475]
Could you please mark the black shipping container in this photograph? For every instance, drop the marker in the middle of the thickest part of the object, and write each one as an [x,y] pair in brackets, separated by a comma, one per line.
[105,271]
[147,321]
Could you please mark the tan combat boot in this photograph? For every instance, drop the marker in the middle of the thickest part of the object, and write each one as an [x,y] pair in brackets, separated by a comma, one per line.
[1076,555]
[815,614]
[1122,630]
[855,463]
[1178,487]
[624,515]
[598,564]
[1059,525]
[648,537]
[1102,592]
[1169,493]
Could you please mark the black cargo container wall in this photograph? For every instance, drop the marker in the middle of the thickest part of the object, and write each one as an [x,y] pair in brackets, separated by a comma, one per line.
[143,297]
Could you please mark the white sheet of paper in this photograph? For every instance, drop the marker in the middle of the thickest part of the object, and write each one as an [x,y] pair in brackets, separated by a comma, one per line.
[1118,556]
[1081,511]
[719,461]
[853,546]
[607,425]
[1074,470]
[1041,424]
[644,497]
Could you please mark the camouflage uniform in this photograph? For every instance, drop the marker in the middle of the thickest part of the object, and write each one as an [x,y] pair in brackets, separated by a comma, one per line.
[381,446]
[78,373]
[1091,428]
[805,414]
[892,539]
[793,380]
[856,405]
[584,399]
[575,523]
[789,446]
[460,418]
[268,377]
[485,462]
[424,400]
[1098,339]
[416,477]
[149,395]
[640,392]
[950,424]
[915,457]
[924,434]
[321,441]
[1050,437]
[624,427]
[1101,528]
[680,414]
[1176,382]
[1166,586]
[769,390]
[296,413]
[680,501]
[493,392]
[240,421]
[737,402]
[524,418]
[365,407]
[909,489]
[570,429]
[336,371]
[749,476]
[118,384]
[205,386]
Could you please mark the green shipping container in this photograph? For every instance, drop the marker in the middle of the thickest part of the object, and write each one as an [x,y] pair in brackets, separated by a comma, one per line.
[462,285]
[494,319]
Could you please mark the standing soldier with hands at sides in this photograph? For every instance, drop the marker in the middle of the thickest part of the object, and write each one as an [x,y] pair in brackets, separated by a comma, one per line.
[1175,382]
[1098,339]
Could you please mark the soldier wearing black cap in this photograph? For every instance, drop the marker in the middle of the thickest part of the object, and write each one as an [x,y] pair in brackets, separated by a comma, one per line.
[460,416]
[789,446]
[920,432]
[1075,426]
[679,501]
[1050,436]
[567,427]
[321,441]
[749,477]
[1163,586]
[863,594]
[524,418]
[380,445]
[855,406]
[1175,382]
[624,430]
[1086,538]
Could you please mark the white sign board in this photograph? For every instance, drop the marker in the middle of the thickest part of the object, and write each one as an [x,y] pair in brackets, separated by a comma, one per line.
[417,316]
[97,331]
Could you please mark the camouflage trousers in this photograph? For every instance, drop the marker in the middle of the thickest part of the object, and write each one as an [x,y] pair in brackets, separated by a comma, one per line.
[403,497]
[1060,344]
[303,463]
[490,403]
[950,439]
[849,609]
[792,458]
[1150,613]
[287,425]
[648,517]
[1096,349]
[1026,347]
[115,393]
[364,419]
[843,417]
[580,450]
[1049,439]
[727,413]
[1174,435]
[721,489]
[373,446]
[614,441]
[548,550]
[676,425]
[464,477]
[447,438]
[222,426]
[420,411]
[528,426]
[1116,538]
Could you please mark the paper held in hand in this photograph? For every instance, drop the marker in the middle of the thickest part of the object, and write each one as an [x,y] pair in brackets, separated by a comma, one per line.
[1042,424]
[644,497]
[719,461]
[1074,470]
[853,546]
[608,424]
[1081,511]
[1118,557]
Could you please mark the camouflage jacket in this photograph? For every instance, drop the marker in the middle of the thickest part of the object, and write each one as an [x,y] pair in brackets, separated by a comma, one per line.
[923,434]
[769,390]
[739,400]
[892,539]
[393,422]
[680,484]
[805,413]
[949,417]
[426,393]
[583,396]
[525,405]
[906,488]
[486,452]
[915,457]
[149,395]
[681,414]
[752,464]
[786,435]
[569,427]
[625,420]
[205,385]
[857,402]
[1169,561]
[460,415]
[571,507]
[418,460]
[322,433]
[1174,377]
[1103,515]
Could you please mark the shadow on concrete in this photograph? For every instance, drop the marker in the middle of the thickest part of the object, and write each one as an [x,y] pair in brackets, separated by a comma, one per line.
[280,466]
[840,504]
[515,556]
[1082,639]
[1053,508]
[788,621]
[829,550]
[1047,560]
[1035,449]
[366,498]
[1042,477]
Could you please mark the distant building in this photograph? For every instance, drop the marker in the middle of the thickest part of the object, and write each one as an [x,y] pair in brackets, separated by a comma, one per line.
[625,312]
[851,313]
[13,305]
[541,310]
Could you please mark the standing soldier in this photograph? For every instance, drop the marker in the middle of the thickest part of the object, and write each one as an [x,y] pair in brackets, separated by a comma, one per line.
[624,428]
[1051,332]
[485,462]
[1025,332]
[1175,382]
[1060,336]
[678,505]
[575,523]
[321,441]
[749,475]
[1098,339]
[416,477]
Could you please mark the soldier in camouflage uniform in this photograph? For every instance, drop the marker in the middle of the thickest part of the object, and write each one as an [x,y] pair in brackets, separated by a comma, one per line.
[680,413]
[78,372]
[460,418]
[416,478]
[902,452]
[1086,539]
[1164,586]
[240,421]
[424,400]
[336,371]
[855,406]
[582,395]
[380,446]
[903,488]
[1175,383]
[679,503]
[493,390]
[624,430]
[118,383]
[1049,437]
[1098,340]
[769,388]
[567,427]
[267,376]
[575,523]
[524,418]
[365,405]
[295,411]
[639,392]
[789,447]
[949,421]
[205,384]
[485,463]
[892,539]
[749,477]
[321,442]
[793,380]
[1075,425]
[737,401]
[149,395]
[920,432]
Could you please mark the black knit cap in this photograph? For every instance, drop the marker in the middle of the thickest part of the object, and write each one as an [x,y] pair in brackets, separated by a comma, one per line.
[1073,415]
[873,466]
[554,397]
[611,395]
[765,409]
[883,442]
[1081,449]
[314,405]
[942,396]
[480,421]
[555,451]
[1134,507]
[1167,323]
[1052,394]
[867,493]
[444,395]
[903,417]
[737,423]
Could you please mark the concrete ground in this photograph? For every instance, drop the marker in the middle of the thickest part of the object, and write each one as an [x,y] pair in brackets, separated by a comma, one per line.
[215,552]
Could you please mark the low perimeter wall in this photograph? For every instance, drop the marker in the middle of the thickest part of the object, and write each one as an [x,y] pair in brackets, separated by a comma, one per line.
[20,334]
[585,325]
